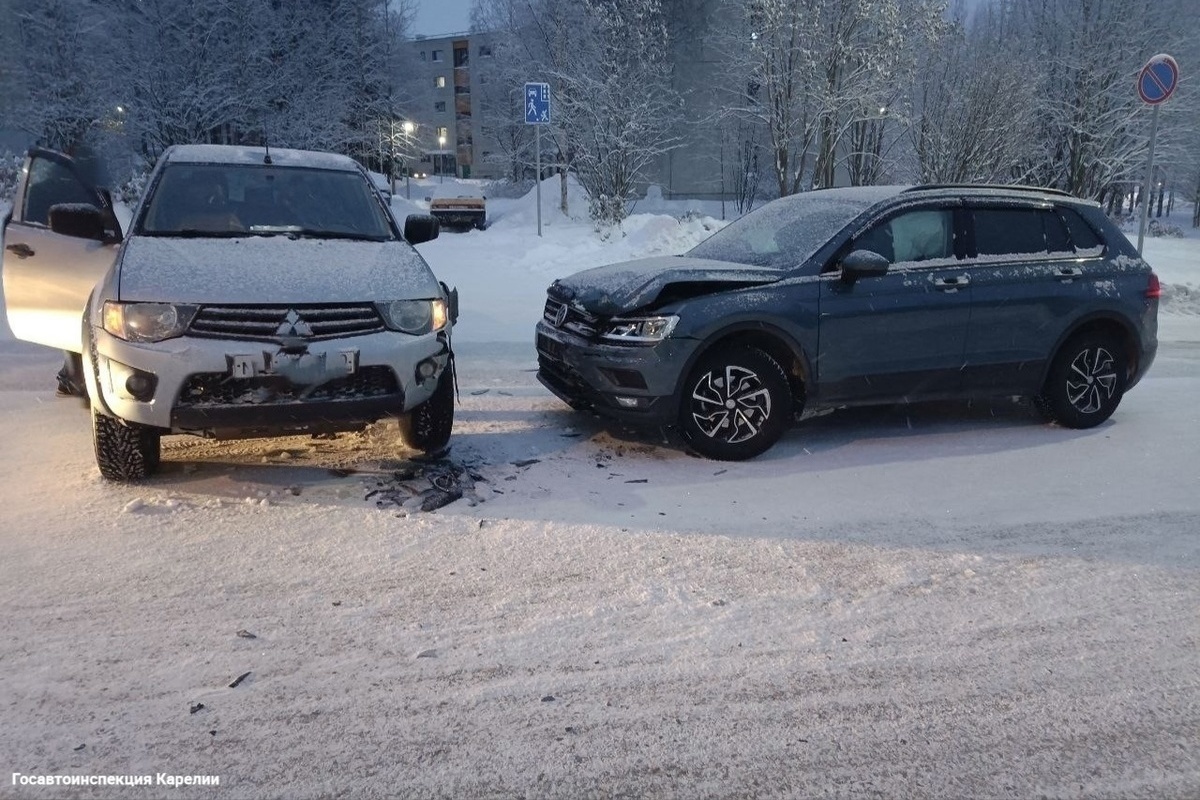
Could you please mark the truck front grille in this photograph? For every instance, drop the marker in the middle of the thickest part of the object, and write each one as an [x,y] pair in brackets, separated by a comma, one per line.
[276,323]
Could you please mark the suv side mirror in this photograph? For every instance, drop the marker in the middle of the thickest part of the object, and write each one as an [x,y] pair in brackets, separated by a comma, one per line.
[420,228]
[863,264]
[80,220]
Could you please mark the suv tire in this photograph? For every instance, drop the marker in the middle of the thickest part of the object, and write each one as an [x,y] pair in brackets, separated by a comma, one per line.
[427,427]
[735,404]
[1086,381]
[124,451]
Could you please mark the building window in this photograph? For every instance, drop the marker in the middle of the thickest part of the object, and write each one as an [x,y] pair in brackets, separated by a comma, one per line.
[422,55]
[461,57]
[439,106]
[485,51]
[439,82]
[436,55]
[462,89]
[443,131]
[483,79]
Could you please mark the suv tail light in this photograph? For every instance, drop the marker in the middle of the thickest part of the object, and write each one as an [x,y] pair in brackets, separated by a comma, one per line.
[1153,288]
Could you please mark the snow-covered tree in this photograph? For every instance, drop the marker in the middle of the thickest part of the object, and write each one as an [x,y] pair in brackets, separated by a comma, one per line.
[620,104]
[57,72]
[501,100]
[973,106]
[1091,127]
[613,104]
[825,80]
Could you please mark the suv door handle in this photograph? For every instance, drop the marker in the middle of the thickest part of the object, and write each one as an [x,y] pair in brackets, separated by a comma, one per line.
[952,284]
[20,249]
[1068,273]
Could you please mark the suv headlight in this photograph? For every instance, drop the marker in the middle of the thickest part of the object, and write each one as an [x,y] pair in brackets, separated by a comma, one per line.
[639,330]
[146,322]
[415,316]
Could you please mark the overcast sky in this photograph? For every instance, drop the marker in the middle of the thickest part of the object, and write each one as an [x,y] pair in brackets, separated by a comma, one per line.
[441,16]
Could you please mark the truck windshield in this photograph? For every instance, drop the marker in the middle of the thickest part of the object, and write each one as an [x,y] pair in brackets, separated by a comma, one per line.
[240,200]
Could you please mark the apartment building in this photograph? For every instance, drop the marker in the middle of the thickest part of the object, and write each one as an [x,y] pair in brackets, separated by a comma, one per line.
[447,136]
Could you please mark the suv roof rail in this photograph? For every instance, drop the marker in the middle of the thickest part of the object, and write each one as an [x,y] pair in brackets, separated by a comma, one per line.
[1012,187]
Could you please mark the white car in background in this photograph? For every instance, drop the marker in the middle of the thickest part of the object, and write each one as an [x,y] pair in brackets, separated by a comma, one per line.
[459,205]
[257,293]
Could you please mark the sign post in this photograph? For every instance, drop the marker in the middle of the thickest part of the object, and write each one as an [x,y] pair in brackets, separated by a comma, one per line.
[1156,84]
[537,112]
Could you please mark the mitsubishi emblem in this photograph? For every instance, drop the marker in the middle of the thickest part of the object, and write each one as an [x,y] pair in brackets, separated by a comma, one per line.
[294,325]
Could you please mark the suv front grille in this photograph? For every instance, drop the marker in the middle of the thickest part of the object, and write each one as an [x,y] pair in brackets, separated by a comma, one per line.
[573,320]
[273,323]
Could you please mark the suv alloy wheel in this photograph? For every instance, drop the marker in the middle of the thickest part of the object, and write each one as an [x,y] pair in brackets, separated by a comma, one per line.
[736,403]
[1086,381]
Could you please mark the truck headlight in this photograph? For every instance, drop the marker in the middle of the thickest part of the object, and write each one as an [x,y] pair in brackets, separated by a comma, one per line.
[639,330]
[415,316]
[146,322]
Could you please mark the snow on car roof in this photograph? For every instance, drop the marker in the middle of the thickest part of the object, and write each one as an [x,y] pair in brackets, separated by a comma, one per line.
[282,157]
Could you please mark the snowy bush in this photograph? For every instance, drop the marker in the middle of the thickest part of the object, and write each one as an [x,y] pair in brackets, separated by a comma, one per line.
[10,171]
[130,192]
[606,210]
[1159,228]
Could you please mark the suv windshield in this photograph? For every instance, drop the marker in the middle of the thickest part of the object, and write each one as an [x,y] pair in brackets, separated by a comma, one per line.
[786,233]
[241,199]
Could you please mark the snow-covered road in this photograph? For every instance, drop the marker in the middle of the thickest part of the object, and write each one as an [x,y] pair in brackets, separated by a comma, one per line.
[942,601]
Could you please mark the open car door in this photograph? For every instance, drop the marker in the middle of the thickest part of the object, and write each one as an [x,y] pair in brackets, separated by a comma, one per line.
[50,271]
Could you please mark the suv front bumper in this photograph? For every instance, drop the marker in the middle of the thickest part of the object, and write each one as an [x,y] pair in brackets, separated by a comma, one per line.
[632,383]
[195,389]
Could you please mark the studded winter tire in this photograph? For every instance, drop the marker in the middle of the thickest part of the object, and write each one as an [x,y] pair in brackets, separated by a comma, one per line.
[124,451]
[427,427]
[1086,381]
[736,403]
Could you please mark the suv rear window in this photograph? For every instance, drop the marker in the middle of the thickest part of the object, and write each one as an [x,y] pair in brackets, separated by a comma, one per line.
[1087,242]
[1009,231]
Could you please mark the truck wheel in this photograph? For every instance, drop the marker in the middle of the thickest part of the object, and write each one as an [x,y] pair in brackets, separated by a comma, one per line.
[736,404]
[427,427]
[125,451]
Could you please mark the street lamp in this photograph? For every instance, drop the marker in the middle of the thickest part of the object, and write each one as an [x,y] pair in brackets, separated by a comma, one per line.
[408,127]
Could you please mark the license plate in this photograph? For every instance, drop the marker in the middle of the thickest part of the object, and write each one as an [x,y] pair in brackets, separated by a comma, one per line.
[549,347]
[344,362]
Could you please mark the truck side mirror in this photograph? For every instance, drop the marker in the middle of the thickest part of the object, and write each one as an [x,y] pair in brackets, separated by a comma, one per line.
[79,220]
[420,228]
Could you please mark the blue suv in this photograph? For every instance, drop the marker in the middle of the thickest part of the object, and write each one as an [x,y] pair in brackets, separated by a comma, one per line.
[859,296]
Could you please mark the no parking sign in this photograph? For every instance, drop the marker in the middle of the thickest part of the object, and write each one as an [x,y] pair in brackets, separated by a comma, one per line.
[1156,83]
[1158,79]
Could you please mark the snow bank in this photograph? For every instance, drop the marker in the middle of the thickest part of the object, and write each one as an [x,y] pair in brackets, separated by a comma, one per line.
[1177,264]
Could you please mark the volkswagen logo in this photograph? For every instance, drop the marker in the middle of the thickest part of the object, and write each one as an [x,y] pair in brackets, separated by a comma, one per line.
[560,316]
